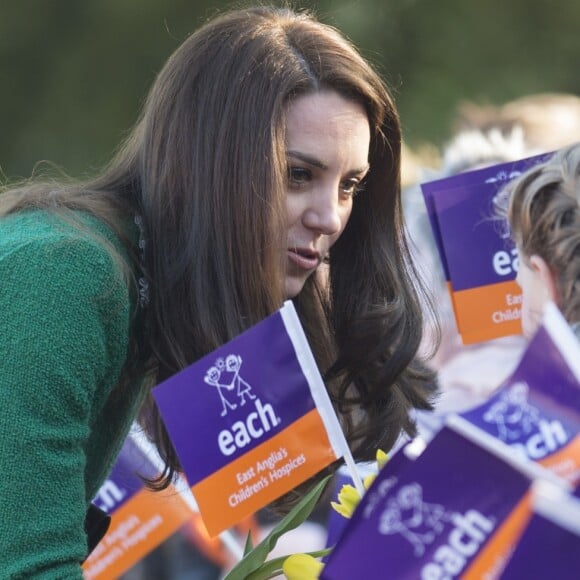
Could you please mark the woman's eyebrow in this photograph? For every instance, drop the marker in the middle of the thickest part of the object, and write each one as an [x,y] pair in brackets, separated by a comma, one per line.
[365,169]
[307,159]
[317,163]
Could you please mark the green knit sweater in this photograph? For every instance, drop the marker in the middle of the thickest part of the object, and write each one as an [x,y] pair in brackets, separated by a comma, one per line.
[64,325]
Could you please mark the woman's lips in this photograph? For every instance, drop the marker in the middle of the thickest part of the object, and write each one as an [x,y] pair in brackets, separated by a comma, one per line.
[305,259]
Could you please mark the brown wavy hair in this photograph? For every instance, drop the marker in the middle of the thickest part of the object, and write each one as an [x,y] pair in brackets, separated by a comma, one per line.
[205,167]
[544,217]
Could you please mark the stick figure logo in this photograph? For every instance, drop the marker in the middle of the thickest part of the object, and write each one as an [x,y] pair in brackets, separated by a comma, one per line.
[419,522]
[232,389]
[513,414]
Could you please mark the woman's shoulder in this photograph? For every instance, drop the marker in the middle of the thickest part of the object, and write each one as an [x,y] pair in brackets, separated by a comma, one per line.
[75,246]
[40,226]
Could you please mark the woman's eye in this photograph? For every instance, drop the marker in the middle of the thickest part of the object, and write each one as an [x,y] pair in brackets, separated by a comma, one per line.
[298,176]
[351,187]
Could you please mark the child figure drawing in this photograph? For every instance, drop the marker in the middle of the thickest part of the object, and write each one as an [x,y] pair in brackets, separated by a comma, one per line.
[231,387]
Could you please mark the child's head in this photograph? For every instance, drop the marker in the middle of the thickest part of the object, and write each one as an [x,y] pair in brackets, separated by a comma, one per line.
[544,216]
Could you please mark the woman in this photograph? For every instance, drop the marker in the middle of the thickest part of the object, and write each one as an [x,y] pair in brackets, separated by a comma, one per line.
[267,147]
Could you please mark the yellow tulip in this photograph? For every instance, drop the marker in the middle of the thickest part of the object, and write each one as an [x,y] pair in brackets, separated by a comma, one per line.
[302,567]
[348,499]
[382,458]
[368,480]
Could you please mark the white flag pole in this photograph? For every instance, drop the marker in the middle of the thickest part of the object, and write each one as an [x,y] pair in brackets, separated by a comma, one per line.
[319,392]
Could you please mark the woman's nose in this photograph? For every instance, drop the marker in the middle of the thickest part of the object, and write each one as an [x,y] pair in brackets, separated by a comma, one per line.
[323,213]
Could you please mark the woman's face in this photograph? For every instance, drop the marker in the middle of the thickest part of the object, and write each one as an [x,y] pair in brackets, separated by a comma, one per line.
[327,150]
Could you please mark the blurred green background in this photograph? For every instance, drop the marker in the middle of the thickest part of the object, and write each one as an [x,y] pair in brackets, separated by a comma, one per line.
[74,73]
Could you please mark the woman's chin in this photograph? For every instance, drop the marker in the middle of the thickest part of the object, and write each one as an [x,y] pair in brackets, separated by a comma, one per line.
[293,286]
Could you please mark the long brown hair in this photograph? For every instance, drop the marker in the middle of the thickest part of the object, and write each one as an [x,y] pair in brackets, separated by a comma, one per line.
[205,169]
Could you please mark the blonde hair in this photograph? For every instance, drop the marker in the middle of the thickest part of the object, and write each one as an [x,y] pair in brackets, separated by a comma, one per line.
[544,216]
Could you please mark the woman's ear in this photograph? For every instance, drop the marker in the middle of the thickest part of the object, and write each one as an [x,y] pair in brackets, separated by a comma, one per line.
[546,276]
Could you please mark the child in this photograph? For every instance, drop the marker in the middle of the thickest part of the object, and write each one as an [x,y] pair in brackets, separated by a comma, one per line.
[544,216]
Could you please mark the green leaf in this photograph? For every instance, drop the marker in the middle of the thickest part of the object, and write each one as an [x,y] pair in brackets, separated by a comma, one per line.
[252,561]
[249,544]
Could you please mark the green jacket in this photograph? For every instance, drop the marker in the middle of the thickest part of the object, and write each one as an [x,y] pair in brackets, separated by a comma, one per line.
[65,314]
